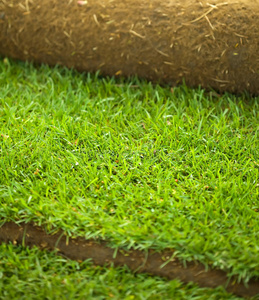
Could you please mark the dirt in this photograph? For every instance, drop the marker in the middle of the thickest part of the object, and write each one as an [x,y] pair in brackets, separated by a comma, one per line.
[213,43]
[160,264]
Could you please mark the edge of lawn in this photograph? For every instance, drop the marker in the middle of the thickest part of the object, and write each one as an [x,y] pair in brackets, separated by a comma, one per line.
[163,263]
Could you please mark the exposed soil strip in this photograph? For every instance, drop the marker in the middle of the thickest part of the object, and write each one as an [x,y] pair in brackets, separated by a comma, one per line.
[159,264]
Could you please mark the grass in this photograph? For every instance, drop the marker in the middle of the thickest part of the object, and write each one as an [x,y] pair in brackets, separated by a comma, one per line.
[138,165]
[33,274]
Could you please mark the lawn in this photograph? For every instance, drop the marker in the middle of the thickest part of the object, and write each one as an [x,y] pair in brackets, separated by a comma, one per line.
[137,165]
[33,274]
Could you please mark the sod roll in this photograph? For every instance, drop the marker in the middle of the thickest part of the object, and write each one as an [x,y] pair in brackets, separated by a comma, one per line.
[209,43]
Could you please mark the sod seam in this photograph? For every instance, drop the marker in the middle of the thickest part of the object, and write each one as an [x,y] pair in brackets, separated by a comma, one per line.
[162,264]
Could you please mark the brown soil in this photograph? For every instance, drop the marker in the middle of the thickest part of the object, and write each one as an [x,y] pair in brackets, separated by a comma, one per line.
[138,261]
[209,43]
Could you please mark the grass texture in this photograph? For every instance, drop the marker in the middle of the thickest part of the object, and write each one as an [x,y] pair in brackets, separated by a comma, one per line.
[137,165]
[33,274]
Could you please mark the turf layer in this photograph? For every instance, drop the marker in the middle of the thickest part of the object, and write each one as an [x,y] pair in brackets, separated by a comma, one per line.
[34,274]
[162,263]
[140,166]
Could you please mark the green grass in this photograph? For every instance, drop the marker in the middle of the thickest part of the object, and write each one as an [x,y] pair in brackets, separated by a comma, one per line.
[137,165]
[33,274]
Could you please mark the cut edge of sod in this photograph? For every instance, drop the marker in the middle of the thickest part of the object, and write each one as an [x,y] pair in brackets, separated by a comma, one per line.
[163,264]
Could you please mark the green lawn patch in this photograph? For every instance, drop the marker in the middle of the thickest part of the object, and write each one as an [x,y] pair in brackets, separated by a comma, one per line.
[137,165]
[34,274]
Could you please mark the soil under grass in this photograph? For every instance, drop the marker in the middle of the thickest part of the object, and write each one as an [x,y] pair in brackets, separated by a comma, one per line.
[163,264]
[135,165]
[212,44]
[33,274]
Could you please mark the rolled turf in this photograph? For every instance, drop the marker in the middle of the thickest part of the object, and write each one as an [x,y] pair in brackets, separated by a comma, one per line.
[213,44]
